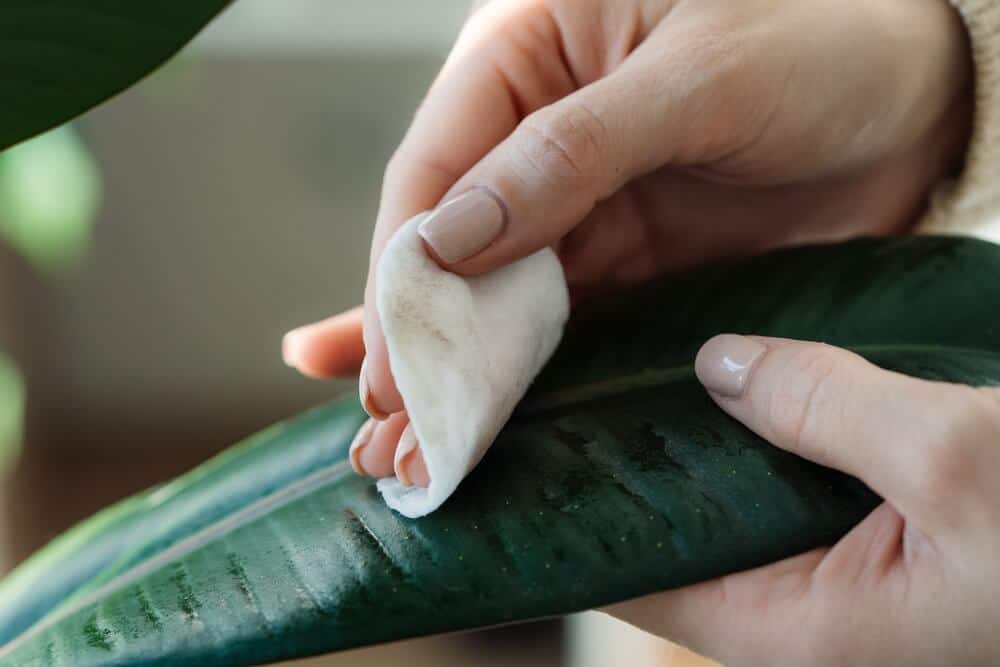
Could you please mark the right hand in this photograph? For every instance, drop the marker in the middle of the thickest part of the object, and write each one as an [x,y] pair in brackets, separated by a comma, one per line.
[643,136]
[917,582]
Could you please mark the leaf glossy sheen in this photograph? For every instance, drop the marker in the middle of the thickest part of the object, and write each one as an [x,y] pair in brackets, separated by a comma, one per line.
[59,58]
[616,477]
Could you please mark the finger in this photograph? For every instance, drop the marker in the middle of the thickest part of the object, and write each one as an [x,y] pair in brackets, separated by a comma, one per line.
[868,554]
[327,349]
[476,101]
[409,463]
[374,446]
[910,440]
[567,156]
[737,616]
[547,176]
[386,448]
[750,616]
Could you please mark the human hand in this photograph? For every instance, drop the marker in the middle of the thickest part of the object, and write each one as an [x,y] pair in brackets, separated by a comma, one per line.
[644,136]
[916,582]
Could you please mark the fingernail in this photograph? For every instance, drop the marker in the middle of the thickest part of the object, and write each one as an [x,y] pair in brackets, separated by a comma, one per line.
[405,450]
[463,226]
[365,393]
[291,348]
[725,362]
[362,438]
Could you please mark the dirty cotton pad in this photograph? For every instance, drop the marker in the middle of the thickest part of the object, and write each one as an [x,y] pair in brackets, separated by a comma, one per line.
[463,351]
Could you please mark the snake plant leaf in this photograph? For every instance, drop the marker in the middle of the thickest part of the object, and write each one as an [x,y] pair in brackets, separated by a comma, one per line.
[59,58]
[616,477]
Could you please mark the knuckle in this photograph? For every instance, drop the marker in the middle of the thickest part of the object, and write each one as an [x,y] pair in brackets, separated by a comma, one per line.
[800,402]
[565,147]
[949,452]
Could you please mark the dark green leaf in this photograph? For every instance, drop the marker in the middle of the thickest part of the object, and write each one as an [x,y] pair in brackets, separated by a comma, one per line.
[616,477]
[135,528]
[59,58]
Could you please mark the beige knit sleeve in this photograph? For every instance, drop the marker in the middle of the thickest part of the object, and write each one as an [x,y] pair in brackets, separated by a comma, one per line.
[971,203]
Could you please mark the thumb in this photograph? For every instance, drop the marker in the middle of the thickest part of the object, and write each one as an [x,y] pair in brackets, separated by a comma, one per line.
[916,443]
[541,181]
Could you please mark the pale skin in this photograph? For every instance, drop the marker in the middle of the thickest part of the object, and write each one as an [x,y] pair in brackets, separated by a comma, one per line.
[638,137]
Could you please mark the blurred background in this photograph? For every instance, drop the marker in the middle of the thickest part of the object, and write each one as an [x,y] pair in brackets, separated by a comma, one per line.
[152,256]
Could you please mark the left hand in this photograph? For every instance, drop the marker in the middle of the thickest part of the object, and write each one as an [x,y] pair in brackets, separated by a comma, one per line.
[918,581]
[644,136]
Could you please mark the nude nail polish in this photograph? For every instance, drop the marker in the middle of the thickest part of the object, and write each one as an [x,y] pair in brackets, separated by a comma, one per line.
[405,451]
[365,394]
[464,226]
[725,362]
[362,438]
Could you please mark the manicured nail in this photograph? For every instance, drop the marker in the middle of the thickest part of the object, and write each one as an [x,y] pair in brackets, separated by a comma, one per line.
[464,226]
[365,393]
[725,362]
[291,348]
[362,438]
[405,451]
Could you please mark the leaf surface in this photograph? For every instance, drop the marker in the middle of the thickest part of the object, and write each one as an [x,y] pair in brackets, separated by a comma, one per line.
[59,58]
[616,477]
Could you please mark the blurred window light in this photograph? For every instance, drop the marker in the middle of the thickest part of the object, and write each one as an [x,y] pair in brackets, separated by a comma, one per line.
[304,27]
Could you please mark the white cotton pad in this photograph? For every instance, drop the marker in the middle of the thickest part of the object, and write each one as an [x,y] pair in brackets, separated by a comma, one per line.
[463,351]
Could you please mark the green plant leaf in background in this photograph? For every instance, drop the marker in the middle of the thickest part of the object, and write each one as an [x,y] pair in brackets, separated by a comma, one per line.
[50,190]
[11,413]
[616,477]
[59,58]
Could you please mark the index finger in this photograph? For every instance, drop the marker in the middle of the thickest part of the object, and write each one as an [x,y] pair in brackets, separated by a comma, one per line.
[487,85]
